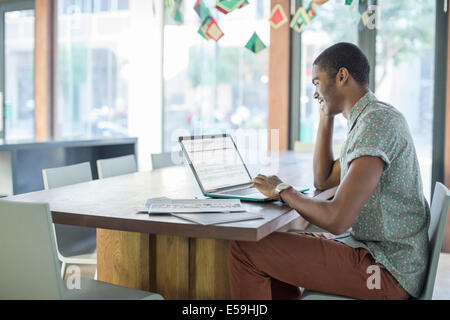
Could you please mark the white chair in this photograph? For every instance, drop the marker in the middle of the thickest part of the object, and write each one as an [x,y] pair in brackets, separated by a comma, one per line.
[438,214]
[165,159]
[29,268]
[116,166]
[75,245]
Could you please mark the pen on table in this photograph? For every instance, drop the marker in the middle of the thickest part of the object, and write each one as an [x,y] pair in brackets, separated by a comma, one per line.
[304,190]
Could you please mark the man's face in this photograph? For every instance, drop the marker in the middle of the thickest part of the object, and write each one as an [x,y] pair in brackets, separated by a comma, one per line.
[326,91]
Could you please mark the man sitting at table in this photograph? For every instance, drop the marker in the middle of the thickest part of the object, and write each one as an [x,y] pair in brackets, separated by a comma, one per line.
[380,197]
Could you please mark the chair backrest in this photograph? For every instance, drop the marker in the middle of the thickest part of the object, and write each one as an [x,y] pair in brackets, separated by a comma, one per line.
[116,166]
[438,214]
[64,176]
[29,268]
[71,239]
[166,159]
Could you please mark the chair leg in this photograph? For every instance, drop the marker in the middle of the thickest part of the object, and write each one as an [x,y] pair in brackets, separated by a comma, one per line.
[63,270]
[95,275]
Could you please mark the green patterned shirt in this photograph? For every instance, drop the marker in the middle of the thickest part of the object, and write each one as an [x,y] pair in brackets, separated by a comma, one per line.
[393,224]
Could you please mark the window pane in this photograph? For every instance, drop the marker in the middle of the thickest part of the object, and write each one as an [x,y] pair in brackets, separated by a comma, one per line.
[19,75]
[324,31]
[213,87]
[92,66]
[405,51]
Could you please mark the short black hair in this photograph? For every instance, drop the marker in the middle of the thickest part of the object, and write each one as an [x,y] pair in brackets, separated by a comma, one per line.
[345,55]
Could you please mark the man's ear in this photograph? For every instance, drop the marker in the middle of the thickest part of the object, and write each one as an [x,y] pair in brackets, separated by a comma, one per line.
[342,76]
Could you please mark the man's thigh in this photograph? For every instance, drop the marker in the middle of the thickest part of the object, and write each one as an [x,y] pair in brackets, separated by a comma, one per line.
[314,262]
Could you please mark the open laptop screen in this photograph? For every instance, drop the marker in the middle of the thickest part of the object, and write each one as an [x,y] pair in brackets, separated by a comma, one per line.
[215,161]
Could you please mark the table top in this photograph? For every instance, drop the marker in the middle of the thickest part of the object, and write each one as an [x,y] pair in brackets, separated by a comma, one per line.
[114,203]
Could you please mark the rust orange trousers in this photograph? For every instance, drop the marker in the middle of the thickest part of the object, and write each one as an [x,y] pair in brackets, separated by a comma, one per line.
[277,266]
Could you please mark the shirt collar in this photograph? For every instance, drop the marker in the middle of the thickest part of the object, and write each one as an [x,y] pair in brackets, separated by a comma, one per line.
[359,107]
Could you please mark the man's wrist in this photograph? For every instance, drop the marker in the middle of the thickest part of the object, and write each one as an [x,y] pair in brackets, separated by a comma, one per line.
[284,193]
[280,189]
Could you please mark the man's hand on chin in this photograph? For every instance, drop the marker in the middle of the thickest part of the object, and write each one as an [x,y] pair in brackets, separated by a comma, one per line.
[266,185]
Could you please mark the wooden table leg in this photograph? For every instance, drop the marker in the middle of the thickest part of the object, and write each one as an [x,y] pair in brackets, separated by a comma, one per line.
[123,258]
[171,260]
[209,269]
[175,267]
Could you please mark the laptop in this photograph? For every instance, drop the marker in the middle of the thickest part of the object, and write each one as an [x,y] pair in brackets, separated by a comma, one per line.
[218,167]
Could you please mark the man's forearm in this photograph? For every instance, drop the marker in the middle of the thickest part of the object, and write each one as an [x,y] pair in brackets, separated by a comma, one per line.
[323,152]
[318,212]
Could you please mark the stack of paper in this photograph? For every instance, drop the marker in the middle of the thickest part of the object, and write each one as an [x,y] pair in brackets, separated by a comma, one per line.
[195,206]
[202,211]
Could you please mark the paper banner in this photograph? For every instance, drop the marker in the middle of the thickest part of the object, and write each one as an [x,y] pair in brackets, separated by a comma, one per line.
[354,4]
[176,15]
[278,17]
[255,44]
[226,6]
[319,2]
[210,29]
[174,7]
[300,20]
[169,5]
[202,10]
[246,3]
[311,11]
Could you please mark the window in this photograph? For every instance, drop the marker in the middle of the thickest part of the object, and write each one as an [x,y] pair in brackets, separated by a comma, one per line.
[405,50]
[324,31]
[216,87]
[18,74]
[108,73]
[92,84]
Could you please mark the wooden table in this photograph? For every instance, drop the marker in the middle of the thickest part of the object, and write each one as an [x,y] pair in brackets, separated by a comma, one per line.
[165,254]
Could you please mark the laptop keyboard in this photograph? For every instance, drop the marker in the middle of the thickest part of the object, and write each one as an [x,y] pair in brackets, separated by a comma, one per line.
[242,192]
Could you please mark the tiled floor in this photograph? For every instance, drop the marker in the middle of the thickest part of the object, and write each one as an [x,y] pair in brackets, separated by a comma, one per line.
[441,288]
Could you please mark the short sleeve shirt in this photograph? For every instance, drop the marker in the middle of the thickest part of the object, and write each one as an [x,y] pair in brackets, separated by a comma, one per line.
[393,224]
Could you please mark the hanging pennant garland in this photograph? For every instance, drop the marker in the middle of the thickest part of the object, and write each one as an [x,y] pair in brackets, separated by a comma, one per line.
[227,6]
[300,20]
[319,2]
[311,11]
[169,5]
[255,44]
[174,8]
[202,10]
[304,16]
[278,17]
[244,4]
[210,29]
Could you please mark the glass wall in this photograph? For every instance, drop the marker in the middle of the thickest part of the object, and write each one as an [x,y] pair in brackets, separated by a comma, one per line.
[404,50]
[324,31]
[92,83]
[108,73]
[19,75]
[215,87]
[405,70]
